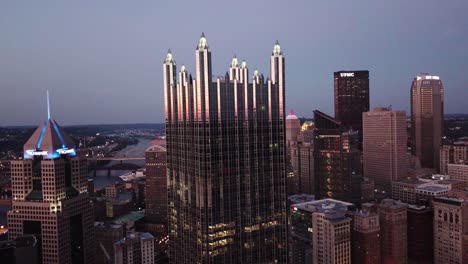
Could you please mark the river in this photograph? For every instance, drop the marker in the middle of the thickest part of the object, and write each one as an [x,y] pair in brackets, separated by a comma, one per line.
[133,151]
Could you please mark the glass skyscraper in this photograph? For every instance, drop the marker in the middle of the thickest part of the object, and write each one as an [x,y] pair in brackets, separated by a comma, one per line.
[226,162]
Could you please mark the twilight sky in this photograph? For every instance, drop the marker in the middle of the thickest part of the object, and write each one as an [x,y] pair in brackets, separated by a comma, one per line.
[102,60]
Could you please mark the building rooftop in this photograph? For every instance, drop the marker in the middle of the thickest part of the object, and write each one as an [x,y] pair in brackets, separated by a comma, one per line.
[131,217]
[291,115]
[323,206]
[390,203]
[107,225]
[146,236]
[300,198]
[450,200]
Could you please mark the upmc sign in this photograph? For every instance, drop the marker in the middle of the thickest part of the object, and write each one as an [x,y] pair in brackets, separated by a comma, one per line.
[347,74]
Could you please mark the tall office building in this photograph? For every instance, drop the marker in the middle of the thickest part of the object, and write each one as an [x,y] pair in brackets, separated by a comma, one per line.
[384,147]
[450,230]
[156,188]
[452,154]
[393,230]
[351,97]
[337,160]
[366,238]
[50,199]
[226,162]
[427,119]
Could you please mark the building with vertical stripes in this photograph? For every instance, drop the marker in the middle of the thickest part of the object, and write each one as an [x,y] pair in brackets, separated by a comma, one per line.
[226,162]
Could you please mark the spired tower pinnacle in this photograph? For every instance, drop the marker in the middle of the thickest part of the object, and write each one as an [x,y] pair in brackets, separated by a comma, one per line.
[169,57]
[202,43]
[277,49]
[49,140]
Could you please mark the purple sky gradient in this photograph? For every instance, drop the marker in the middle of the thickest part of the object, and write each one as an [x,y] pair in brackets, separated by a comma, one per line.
[102,60]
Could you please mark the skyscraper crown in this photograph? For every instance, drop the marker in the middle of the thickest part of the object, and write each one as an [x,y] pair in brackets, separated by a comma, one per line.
[49,140]
[202,43]
[277,49]
[169,58]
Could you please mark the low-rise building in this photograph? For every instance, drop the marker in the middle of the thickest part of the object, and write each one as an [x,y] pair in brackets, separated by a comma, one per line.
[135,248]
[321,232]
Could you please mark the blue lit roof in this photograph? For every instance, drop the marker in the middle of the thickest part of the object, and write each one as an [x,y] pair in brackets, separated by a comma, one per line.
[49,141]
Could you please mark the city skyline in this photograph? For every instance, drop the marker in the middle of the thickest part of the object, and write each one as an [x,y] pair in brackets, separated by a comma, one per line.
[111,58]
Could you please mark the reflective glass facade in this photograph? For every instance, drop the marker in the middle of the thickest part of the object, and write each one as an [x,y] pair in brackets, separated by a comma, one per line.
[226,163]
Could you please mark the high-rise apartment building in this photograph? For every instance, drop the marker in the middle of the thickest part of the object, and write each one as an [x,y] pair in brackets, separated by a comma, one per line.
[226,159]
[393,230]
[337,160]
[366,238]
[50,199]
[135,248]
[452,154]
[427,118]
[450,230]
[156,188]
[384,147]
[351,98]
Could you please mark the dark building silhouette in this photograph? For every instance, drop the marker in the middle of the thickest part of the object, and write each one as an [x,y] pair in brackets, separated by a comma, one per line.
[351,98]
[366,238]
[420,234]
[156,188]
[427,119]
[226,162]
[337,160]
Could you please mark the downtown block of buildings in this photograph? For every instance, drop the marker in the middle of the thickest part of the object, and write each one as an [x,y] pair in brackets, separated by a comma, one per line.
[361,190]
[402,195]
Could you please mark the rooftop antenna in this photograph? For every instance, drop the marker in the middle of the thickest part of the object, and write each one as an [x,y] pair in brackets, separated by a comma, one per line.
[48,106]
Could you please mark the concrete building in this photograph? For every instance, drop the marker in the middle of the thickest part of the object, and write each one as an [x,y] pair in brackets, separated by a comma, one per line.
[424,189]
[452,154]
[366,238]
[156,188]
[113,191]
[427,117]
[458,172]
[323,227]
[226,162]
[135,248]
[384,147]
[420,234]
[50,199]
[450,230]
[393,230]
